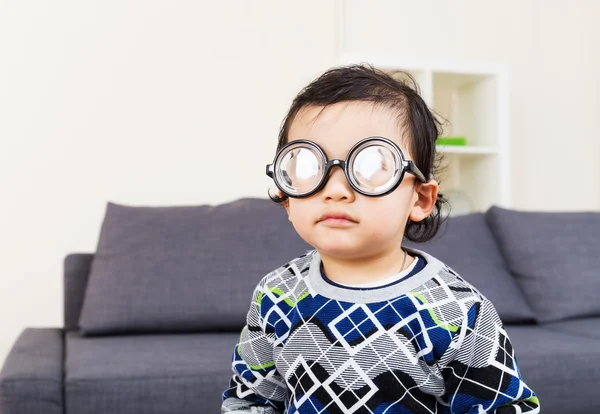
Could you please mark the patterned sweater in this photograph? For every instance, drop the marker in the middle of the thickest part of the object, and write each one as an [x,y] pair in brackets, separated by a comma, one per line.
[428,343]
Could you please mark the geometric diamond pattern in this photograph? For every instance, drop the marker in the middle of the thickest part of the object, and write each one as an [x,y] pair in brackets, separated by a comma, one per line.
[438,347]
[348,401]
[360,320]
[302,380]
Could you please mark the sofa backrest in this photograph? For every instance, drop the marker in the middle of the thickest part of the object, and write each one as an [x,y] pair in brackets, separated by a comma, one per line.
[530,265]
[555,258]
[178,269]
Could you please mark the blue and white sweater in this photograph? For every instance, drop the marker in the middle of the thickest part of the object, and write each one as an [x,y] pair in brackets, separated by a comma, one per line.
[428,343]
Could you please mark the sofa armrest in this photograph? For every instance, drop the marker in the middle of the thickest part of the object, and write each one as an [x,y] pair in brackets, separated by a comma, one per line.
[31,380]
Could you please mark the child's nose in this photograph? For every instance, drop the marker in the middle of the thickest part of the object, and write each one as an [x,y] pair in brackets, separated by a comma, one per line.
[337,187]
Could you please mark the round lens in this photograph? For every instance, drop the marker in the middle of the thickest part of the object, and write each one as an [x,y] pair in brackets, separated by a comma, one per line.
[299,169]
[375,168]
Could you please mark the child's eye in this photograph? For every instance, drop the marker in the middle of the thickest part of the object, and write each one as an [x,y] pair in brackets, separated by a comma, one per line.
[385,162]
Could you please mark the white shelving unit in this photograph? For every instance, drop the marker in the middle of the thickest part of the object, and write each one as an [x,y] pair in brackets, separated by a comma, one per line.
[474,100]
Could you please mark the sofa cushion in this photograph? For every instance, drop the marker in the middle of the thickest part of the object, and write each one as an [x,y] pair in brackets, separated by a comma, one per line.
[466,244]
[183,269]
[562,369]
[587,327]
[150,374]
[555,258]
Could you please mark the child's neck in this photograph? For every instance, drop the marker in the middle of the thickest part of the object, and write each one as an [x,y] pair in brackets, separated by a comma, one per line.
[356,271]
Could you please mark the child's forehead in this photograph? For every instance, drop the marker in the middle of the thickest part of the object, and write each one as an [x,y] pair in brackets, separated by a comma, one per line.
[336,128]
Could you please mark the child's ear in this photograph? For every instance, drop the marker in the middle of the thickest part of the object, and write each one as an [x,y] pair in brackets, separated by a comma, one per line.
[425,198]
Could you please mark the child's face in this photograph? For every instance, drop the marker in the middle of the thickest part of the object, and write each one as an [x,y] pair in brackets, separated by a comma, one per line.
[377,223]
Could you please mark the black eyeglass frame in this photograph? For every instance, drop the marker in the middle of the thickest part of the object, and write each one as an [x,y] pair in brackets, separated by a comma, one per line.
[407,166]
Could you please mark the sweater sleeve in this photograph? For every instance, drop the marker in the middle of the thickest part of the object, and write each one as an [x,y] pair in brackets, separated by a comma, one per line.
[255,387]
[480,368]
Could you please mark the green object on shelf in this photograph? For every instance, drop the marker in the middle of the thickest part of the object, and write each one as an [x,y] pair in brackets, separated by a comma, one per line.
[451,141]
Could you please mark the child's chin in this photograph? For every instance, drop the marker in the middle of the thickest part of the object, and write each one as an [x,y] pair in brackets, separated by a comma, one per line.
[340,250]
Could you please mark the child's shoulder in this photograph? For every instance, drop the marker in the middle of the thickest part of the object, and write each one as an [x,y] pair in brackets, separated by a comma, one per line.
[287,275]
[447,284]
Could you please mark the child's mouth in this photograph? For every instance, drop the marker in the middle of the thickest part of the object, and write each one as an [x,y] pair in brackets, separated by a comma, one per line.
[338,222]
[337,219]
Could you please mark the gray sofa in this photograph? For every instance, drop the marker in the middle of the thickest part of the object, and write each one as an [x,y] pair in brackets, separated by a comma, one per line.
[152,317]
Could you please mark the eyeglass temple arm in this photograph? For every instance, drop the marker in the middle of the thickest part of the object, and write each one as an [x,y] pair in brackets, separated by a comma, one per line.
[412,168]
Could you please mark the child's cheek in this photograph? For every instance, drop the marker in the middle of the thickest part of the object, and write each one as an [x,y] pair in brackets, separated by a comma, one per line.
[387,220]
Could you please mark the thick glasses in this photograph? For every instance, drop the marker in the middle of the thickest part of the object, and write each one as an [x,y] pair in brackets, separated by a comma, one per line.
[375,166]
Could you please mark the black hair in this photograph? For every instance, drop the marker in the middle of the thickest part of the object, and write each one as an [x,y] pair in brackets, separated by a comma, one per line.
[397,91]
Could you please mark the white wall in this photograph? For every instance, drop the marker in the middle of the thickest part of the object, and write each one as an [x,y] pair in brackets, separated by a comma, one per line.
[136,102]
[553,49]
